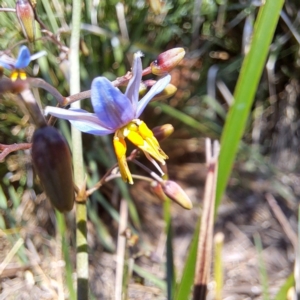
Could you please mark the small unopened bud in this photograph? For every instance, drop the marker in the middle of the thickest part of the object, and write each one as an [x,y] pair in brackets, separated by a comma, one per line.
[177,194]
[166,61]
[26,18]
[158,191]
[162,132]
[167,92]
[52,161]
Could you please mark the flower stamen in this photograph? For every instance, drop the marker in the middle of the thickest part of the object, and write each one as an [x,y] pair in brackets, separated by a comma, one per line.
[120,150]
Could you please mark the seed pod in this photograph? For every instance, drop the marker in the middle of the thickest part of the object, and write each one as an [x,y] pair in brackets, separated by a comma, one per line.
[166,61]
[52,161]
[26,18]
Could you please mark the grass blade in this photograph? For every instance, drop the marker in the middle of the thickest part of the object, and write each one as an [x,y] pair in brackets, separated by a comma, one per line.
[187,278]
[262,268]
[247,84]
[282,294]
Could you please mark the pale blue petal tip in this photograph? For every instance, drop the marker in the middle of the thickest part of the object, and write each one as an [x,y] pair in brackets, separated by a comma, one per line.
[23,59]
[156,89]
[5,65]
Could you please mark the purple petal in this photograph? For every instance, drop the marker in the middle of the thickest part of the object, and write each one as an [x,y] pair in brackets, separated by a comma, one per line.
[23,59]
[91,128]
[112,108]
[156,89]
[79,118]
[132,90]
[7,62]
[6,65]
[38,55]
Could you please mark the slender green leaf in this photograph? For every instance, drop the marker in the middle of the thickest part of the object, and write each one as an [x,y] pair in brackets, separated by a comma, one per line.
[102,231]
[282,293]
[245,90]
[169,246]
[3,200]
[213,129]
[61,227]
[145,274]
[187,279]
[262,268]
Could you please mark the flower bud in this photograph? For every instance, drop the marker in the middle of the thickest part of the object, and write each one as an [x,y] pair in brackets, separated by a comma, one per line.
[158,191]
[52,161]
[166,61]
[167,92]
[176,193]
[26,18]
[162,132]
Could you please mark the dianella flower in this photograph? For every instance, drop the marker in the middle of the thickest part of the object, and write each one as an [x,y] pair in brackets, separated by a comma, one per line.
[119,113]
[18,65]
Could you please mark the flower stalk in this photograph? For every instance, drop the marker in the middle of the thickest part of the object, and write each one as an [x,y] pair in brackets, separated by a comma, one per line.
[81,209]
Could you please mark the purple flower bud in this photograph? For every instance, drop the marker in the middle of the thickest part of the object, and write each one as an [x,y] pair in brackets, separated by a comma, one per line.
[177,194]
[162,132]
[166,61]
[26,18]
[158,191]
[52,161]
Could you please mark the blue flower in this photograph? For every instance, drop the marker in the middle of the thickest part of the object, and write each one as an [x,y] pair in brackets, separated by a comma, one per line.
[22,61]
[119,113]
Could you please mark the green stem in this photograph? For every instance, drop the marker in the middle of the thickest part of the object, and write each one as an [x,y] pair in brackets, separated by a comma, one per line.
[170,259]
[81,210]
[61,227]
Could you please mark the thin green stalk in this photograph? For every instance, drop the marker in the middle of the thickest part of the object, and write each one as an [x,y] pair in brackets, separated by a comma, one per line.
[218,265]
[187,279]
[61,227]
[81,209]
[170,260]
[262,268]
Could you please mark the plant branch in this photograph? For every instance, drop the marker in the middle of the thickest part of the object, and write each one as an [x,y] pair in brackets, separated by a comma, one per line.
[6,149]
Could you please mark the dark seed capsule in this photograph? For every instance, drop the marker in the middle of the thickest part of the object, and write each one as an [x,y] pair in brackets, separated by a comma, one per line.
[52,161]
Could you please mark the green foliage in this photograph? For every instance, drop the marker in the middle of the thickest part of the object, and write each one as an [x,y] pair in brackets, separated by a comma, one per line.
[196,110]
[245,92]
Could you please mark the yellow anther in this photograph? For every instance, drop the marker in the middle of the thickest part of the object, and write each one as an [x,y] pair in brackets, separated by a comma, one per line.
[141,136]
[120,150]
[120,146]
[22,75]
[14,75]
[135,138]
[132,127]
[18,74]
[144,130]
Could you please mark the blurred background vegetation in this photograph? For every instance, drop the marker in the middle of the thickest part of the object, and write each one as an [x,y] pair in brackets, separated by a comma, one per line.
[216,35]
